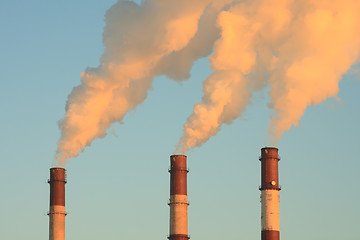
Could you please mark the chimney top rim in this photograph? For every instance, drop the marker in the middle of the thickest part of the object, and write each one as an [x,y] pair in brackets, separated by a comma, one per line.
[269,148]
[54,168]
[177,155]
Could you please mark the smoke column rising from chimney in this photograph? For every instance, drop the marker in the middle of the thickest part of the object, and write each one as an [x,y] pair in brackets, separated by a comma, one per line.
[141,42]
[299,49]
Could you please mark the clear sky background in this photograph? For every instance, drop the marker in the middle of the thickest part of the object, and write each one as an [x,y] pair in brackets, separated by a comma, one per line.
[118,188]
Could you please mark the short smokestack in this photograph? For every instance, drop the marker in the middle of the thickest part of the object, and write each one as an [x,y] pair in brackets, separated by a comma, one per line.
[270,224]
[57,204]
[178,198]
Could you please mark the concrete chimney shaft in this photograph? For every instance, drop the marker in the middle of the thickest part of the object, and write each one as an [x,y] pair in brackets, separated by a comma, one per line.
[57,204]
[270,224]
[178,198]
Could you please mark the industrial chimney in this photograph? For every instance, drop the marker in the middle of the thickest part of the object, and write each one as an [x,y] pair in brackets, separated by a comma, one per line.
[270,224]
[57,204]
[178,198]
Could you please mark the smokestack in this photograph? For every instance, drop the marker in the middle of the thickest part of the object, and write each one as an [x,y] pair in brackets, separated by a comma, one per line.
[57,204]
[178,198]
[270,224]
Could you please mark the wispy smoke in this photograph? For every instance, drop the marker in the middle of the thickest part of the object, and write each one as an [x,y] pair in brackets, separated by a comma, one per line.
[299,49]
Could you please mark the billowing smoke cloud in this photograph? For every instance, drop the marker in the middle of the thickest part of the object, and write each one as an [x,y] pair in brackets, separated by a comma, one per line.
[299,49]
[141,42]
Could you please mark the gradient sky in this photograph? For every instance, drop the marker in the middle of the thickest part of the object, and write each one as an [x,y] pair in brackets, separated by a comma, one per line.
[118,188]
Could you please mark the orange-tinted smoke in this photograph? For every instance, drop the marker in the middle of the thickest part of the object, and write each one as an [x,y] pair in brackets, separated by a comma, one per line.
[323,43]
[299,49]
[136,39]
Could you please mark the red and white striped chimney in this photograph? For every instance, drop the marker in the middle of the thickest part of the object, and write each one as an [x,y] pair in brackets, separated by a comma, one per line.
[57,204]
[178,198]
[270,224]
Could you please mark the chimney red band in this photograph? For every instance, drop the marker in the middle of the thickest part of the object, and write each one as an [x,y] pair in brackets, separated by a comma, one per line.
[269,168]
[178,237]
[178,172]
[57,186]
[268,234]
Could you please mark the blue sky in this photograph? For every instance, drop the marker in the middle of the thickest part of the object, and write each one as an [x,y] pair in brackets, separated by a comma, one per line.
[118,188]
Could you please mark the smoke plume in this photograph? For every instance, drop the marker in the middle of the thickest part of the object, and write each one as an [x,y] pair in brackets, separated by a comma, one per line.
[141,42]
[299,49]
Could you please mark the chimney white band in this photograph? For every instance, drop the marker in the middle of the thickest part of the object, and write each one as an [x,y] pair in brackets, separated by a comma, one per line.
[270,210]
[178,214]
[57,222]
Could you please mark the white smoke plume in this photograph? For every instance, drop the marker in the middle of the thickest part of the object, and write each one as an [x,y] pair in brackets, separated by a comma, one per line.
[141,42]
[299,49]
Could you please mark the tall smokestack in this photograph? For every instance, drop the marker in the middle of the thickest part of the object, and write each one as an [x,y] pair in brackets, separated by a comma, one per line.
[270,224]
[178,198]
[57,204]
